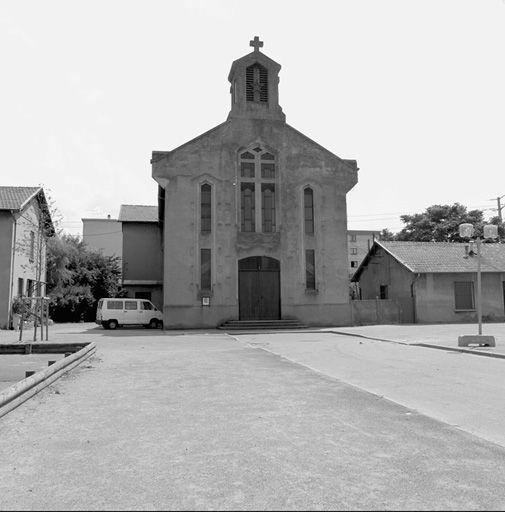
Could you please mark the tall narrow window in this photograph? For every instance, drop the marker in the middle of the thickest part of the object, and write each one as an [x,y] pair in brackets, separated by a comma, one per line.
[205,276]
[32,245]
[247,207]
[257,174]
[206,208]
[268,207]
[308,206]
[310,269]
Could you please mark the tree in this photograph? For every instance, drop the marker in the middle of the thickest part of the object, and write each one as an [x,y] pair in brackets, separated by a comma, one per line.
[78,277]
[439,223]
[386,235]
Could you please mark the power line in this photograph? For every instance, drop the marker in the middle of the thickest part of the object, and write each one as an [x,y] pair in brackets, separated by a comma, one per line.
[500,207]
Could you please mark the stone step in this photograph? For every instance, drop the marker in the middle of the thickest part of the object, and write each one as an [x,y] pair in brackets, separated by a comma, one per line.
[262,324]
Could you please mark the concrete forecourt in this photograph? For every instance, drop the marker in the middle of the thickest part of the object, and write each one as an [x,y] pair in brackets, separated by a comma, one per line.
[306,420]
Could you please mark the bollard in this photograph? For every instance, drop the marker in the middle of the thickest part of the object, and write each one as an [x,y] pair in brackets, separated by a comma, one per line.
[49,363]
[29,374]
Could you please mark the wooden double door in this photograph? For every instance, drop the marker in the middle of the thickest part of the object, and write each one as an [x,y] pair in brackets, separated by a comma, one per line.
[259,288]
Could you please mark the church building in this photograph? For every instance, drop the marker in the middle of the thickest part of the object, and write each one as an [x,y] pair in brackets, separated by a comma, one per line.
[254,215]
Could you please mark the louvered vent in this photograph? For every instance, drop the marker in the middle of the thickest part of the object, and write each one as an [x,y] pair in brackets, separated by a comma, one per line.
[256,83]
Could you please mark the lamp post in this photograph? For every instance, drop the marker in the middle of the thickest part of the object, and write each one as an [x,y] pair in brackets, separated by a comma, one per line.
[466,230]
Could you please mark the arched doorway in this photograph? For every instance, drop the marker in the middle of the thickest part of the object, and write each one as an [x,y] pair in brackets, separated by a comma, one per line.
[259,288]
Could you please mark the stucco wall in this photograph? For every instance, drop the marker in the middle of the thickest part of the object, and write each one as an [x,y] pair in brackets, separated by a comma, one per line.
[105,235]
[383,269]
[435,298]
[22,265]
[213,158]
[142,254]
[6,233]
[26,267]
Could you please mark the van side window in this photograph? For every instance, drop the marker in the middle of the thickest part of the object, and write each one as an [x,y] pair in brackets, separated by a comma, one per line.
[146,305]
[114,304]
[130,304]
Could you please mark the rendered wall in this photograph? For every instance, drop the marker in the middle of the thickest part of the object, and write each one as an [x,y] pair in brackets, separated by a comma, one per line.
[213,158]
[105,235]
[142,254]
[383,269]
[436,303]
[6,234]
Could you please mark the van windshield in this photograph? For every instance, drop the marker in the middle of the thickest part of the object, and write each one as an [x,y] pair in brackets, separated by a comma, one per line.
[100,302]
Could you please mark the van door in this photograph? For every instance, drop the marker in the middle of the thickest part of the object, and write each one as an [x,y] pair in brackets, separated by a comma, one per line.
[131,312]
[145,312]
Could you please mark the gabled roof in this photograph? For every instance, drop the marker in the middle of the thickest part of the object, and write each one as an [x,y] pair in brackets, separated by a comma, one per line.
[138,213]
[438,257]
[15,198]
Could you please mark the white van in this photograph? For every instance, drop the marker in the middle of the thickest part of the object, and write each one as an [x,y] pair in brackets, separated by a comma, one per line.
[111,313]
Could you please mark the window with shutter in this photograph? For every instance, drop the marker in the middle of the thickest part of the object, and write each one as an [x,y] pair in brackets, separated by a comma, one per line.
[463,295]
[256,83]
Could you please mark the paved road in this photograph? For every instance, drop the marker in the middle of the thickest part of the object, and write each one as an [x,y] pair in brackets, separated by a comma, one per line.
[459,389]
[201,421]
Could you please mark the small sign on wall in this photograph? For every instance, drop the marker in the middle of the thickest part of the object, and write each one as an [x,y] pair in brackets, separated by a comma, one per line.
[205,301]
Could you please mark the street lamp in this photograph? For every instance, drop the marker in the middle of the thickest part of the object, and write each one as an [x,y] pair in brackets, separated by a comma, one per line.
[466,231]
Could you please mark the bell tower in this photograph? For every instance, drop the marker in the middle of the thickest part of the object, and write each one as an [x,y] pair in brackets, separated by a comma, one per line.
[254,87]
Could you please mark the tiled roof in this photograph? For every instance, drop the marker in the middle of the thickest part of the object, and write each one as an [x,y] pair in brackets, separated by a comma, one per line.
[428,257]
[138,213]
[14,198]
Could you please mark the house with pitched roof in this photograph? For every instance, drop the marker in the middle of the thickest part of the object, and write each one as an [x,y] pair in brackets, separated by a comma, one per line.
[25,224]
[135,237]
[439,278]
[142,252]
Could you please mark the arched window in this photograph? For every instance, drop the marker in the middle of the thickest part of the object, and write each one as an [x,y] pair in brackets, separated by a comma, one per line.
[257,173]
[308,208]
[205,208]
[256,83]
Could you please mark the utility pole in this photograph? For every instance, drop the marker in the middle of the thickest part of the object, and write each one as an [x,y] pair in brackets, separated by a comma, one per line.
[500,207]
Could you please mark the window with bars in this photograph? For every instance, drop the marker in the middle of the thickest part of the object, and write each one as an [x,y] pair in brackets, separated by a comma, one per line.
[205,208]
[310,269]
[205,269]
[464,295]
[256,83]
[308,206]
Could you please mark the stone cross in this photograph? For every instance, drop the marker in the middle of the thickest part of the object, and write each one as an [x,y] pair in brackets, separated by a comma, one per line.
[256,43]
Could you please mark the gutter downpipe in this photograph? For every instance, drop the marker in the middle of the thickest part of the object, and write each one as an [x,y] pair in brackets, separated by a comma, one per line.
[414,297]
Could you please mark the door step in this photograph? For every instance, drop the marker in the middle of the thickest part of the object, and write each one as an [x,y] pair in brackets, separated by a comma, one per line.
[246,325]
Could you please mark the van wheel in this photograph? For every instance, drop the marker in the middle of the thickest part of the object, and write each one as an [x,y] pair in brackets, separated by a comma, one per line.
[153,324]
[112,324]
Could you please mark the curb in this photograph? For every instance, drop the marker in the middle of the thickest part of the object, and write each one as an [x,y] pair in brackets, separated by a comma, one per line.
[463,350]
[18,393]
[425,345]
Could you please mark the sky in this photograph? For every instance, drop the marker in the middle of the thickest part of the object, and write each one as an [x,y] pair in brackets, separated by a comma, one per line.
[413,90]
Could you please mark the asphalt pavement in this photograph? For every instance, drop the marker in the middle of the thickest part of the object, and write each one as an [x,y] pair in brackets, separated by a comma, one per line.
[203,421]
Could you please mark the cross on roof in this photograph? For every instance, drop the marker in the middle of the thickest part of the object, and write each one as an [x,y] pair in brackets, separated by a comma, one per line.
[256,43]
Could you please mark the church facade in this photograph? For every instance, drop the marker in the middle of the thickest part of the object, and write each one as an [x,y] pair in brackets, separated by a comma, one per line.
[254,215]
